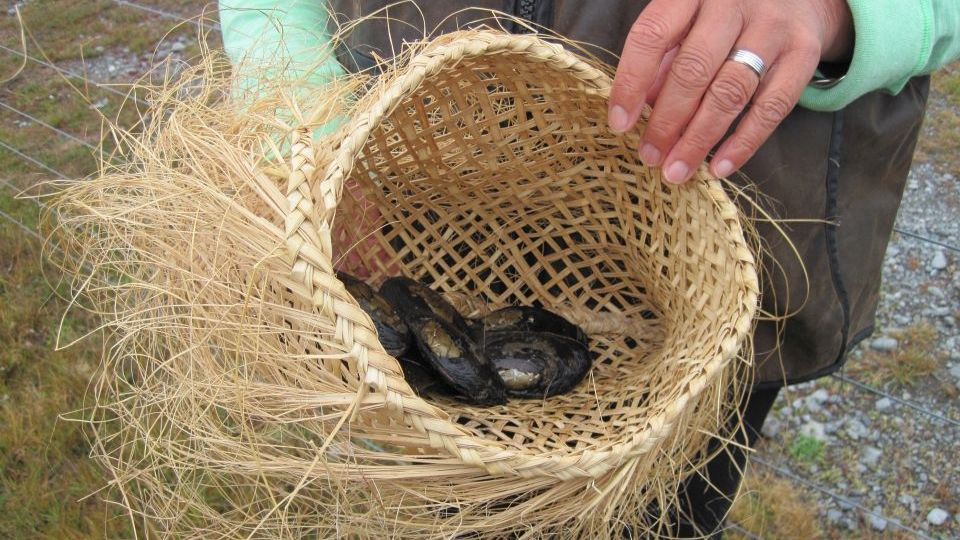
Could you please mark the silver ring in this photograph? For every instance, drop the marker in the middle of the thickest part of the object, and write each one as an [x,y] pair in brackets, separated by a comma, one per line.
[749,59]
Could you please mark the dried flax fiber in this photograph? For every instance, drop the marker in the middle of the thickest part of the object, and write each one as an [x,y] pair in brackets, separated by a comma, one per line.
[244,393]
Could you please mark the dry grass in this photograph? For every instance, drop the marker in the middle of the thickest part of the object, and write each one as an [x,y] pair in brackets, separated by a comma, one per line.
[941,132]
[771,507]
[914,359]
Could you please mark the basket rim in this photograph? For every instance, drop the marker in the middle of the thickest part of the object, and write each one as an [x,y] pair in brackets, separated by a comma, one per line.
[309,225]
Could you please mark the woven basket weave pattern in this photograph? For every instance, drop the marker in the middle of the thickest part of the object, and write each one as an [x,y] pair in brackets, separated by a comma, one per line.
[489,162]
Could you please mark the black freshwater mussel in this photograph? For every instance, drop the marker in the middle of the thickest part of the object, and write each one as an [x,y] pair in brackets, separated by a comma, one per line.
[537,365]
[393,332]
[526,319]
[441,337]
[406,293]
[524,352]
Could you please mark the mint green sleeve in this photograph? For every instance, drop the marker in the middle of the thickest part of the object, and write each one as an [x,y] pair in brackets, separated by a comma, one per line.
[895,41]
[277,38]
[289,36]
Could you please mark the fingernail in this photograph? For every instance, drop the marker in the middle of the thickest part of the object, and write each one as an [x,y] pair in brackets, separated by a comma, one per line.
[723,168]
[649,155]
[677,172]
[618,119]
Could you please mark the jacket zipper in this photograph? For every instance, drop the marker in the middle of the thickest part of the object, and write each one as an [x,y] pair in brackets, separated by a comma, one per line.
[526,10]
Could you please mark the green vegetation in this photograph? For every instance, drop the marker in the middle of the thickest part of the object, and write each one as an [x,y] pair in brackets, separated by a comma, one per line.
[807,449]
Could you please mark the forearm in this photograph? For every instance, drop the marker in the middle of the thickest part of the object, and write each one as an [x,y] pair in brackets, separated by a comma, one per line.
[895,40]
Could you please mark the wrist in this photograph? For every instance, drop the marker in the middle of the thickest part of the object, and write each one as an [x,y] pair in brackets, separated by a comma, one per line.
[838,31]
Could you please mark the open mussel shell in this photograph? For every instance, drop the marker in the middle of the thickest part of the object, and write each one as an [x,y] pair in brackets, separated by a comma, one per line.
[537,364]
[458,361]
[526,319]
[393,332]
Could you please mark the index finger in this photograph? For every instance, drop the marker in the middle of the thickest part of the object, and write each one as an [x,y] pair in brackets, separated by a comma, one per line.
[658,28]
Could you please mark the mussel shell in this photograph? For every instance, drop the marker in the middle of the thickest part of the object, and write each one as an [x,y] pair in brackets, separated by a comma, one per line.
[410,295]
[393,332]
[526,319]
[458,360]
[537,365]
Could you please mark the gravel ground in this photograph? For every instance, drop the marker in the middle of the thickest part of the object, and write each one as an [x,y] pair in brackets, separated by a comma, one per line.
[875,451]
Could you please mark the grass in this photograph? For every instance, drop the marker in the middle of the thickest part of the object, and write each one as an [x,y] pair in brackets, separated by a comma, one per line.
[947,83]
[914,359]
[940,138]
[45,471]
[48,485]
[807,449]
[771,507]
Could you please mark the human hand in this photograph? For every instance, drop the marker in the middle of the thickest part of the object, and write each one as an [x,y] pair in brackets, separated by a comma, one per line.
[675,58]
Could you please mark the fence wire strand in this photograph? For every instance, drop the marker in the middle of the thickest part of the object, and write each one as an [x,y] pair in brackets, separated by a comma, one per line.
[40,122]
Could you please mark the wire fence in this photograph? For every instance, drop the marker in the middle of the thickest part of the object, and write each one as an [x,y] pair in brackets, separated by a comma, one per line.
[781,471]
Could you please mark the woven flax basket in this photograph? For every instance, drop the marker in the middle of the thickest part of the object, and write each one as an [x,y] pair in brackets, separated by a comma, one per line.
[247,395]
[484,167]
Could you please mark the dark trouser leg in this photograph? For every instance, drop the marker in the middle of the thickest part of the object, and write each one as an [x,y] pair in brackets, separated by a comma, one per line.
[708,499]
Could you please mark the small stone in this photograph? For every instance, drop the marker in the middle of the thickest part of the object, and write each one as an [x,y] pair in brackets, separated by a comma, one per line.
[877,522]
[870,455]
[814,430]
[939,261]
[955,372]
[937,516]
[820,396]
[856,429]
[834,516]
[936,291]
[178,46]
[884,344]
[771,428]
[883,404]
